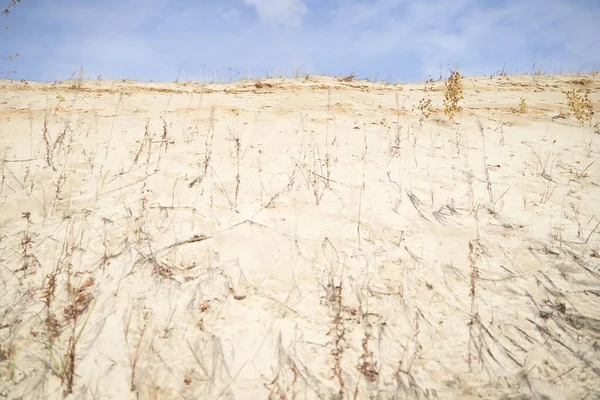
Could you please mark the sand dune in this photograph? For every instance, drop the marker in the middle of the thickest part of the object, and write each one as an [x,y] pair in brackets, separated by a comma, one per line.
[299,239]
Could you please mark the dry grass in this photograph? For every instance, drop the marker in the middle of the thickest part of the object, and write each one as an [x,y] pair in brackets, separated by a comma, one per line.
[305,239]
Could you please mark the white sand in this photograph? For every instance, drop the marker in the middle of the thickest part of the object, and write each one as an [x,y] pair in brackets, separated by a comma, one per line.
[169,284]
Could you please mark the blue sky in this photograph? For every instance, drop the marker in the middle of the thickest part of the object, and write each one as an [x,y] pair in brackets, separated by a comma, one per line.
[397,40]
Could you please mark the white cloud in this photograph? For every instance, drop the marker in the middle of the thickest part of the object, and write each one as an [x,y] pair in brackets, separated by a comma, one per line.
[284,12]
[407,40]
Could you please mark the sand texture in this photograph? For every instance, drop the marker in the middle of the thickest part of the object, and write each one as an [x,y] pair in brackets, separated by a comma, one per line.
[299,239]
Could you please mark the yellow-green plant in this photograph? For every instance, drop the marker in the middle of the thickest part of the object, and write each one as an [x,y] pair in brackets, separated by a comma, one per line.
[453,94]
[522,106]
[580,105]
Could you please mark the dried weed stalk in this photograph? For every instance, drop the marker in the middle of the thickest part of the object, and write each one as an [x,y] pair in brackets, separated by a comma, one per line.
[146,141]
[141,219]
[208,152]
[30,262]
[338,334]
[74,301]
[287,188]
[52,147]
[474,256]
[238,149]
[367,365]
[425,108]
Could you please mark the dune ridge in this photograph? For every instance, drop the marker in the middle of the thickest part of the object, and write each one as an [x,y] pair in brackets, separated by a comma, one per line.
[299,238]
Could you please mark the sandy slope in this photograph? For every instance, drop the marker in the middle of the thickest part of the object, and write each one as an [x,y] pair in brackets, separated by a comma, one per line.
[358,254]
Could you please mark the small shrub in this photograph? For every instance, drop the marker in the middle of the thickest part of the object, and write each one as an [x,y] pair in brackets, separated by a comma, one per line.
[580,105]
[453,94]
[522,106]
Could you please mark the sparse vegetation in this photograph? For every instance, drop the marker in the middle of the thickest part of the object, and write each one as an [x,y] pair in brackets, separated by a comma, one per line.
[348,78]
[237,241]
[425,108]
[579,104]
[453,94]
[522,106]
